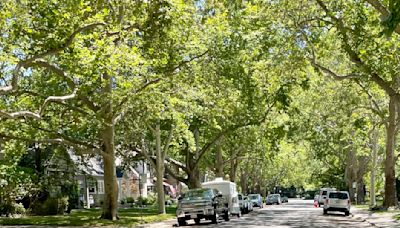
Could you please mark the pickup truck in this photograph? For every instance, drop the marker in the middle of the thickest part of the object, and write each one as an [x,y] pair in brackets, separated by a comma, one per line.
[202,203]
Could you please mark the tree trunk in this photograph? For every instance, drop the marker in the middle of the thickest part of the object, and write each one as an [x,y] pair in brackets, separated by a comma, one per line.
[234,166]
[350,172]
[110,178]
[107,137]
[159,172]
[219,162]
[194,172]
[194,179]
[390,178]
[243,182]
[361,169]
[373,167]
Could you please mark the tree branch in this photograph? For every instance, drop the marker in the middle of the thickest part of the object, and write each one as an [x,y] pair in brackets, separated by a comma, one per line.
[20,114]
[23,63]
[168,141]
[143,152]
[372,99]
[69,81]
[176,163]
[354,57]
[385,13]
[333,74]
[149,83]
[175,176]
[206,147]
[80,148]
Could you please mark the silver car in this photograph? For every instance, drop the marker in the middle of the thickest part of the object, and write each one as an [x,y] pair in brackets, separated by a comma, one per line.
[256,199]
[273,199]
[337,201]
[245,204]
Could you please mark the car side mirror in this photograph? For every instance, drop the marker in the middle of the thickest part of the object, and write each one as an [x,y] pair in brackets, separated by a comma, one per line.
[219,194]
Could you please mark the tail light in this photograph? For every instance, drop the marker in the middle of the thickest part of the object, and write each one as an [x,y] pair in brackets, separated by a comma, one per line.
[327,201]
[348,202]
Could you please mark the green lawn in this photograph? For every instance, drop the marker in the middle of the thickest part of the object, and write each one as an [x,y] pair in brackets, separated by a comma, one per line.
[90,217]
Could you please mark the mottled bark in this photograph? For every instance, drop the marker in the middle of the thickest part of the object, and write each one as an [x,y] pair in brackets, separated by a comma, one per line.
[107,136]
[390,178]
[375,137]
[244,182]
[219,162]
[110,180]
[361,170]
[234,166]
[159,172]
[351,172]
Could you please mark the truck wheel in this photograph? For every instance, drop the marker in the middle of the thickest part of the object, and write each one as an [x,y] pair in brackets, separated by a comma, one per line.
[181,222]
[214,219]
[240,214]
[197,220]
[226,216]
[325,212]
[347,213]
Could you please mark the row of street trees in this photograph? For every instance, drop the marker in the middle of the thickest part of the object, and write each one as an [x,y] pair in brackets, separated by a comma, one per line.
[238,88]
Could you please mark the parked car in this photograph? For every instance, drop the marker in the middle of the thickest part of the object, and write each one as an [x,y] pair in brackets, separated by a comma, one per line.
[337,201]
[323,193]
[285,199]
[202,203]
[228,190]
[250,204]
[256,200]
[243,203]
[273,199]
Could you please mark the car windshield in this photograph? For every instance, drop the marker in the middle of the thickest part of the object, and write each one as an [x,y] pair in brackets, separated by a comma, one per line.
[253,196]
[198,194]
[338,195]
[240,197]
[324,192]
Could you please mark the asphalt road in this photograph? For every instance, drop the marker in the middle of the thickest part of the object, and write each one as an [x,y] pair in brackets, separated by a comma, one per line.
[296,213]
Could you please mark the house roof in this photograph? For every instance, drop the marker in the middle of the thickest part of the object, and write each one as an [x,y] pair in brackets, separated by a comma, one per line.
[94,166]
[87,166]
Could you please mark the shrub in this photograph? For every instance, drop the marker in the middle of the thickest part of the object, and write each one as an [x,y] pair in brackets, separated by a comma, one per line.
[51,206]
[12,209]
[130,200]
[151,199]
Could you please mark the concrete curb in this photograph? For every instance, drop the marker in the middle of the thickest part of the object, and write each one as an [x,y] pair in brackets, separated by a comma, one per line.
[374,219]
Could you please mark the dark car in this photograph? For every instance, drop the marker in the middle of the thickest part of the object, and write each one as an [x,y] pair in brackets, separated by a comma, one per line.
[202,203]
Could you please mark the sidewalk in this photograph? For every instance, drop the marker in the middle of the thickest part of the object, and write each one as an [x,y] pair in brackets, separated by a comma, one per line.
[381,219]
[164,224]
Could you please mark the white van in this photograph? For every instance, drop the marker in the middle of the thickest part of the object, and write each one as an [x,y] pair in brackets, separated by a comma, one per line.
[228,189]
[323,194]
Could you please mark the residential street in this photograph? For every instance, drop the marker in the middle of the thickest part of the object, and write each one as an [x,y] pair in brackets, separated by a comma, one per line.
[296,213]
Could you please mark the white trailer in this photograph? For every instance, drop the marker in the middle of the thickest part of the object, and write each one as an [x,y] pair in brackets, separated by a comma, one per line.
[228,190]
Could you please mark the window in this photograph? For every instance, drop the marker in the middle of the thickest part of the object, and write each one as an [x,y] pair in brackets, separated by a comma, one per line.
[338,195]
[100,186]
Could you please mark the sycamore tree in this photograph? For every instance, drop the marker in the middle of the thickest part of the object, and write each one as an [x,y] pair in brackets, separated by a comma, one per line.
[69,69]
[345,40]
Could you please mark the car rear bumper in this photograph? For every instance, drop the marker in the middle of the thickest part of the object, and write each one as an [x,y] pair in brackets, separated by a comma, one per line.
[342,209]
